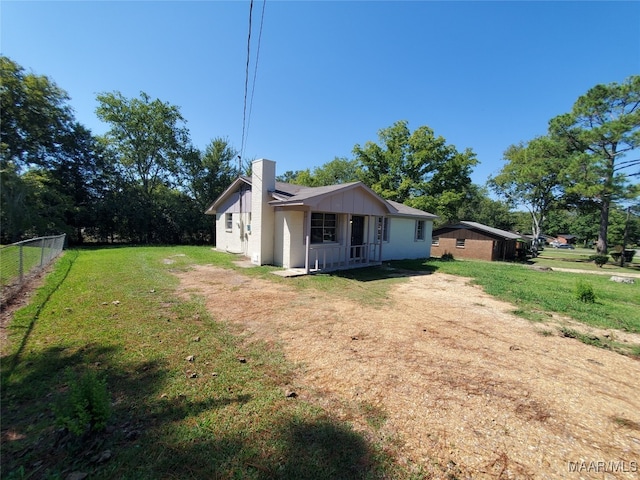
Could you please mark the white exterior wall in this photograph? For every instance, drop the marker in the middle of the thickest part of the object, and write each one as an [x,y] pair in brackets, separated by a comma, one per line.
[278,240]
[292,227]
[402,243]
[236,239]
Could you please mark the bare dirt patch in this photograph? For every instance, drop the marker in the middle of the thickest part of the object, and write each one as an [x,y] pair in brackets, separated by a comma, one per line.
[445,376]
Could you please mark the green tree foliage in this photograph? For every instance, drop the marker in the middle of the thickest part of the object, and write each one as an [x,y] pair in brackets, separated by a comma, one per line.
[602,127]
[45,157]
[206,175]
[417,168]
[147,137]
[480,208]
[337,171]
[149,142]
[532,178]
[35,115]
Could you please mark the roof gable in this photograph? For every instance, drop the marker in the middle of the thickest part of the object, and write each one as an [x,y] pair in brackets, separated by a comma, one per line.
[231,189]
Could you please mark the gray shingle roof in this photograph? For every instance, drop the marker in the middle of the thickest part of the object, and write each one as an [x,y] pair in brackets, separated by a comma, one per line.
[483,228]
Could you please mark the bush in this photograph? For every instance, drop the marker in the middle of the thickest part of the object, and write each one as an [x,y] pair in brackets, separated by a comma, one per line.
[584,292]
[599,260]
[446,257]
[86,406]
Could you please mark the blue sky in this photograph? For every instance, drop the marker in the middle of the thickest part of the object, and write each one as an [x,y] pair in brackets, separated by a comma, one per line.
[484,75]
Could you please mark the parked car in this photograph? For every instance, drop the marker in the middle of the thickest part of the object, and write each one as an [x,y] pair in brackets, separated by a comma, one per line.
[565,246]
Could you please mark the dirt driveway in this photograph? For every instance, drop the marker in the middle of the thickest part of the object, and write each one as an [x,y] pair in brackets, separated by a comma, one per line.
[458,384]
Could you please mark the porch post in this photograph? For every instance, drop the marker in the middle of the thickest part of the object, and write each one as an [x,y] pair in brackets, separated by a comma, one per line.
[306,254]
[307,241]
[347,255]
[368,241]
[381,239]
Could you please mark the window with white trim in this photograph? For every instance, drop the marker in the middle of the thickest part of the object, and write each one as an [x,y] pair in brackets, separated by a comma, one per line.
[459,242]
[419,230]
[435,241]
[228,220]
[383,229]
[324,227]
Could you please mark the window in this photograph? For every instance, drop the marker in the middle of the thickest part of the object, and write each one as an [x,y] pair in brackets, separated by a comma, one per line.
[323,227]
[229,221]
[419,230]
[383,229]
[459,242]
[435,241]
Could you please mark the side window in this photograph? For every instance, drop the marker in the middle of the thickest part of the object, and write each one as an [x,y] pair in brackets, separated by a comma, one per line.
[383,229]
[419,230]
[228,221]
[435,241]
[459,242]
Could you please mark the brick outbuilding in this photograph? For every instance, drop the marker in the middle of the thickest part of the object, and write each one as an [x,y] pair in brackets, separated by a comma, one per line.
[477,241]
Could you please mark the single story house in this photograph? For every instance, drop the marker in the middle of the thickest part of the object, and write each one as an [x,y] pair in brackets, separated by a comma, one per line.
[565,238]
[315,228]
[477,241]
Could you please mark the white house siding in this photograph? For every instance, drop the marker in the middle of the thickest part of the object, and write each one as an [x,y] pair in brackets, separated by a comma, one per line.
[357,201]
[293,239]
[236,239]
[402,243]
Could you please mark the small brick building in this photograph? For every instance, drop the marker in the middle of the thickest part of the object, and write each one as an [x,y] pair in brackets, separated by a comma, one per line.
[476,241]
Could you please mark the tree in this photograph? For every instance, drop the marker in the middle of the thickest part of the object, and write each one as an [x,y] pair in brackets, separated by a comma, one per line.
[207,174]
[47,159]
[482,209]
[417,168]
[337,171]
[602,127]
[147,137]
[149,141]
[35,114]
[532,178]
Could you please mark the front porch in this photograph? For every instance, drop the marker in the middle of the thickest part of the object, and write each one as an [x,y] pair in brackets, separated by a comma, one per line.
[326,258]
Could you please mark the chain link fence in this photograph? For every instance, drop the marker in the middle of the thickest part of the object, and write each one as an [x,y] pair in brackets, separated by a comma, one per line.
[22,260]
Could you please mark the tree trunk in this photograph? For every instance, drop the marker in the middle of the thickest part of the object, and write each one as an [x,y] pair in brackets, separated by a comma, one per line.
[601,246]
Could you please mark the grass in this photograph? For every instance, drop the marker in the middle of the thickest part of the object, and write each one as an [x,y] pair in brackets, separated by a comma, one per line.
[579,259]
[16,258]
[114,311]
[537,293]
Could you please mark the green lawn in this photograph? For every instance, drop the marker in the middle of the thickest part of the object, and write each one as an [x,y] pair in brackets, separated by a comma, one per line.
[579,258]
[10,262]
[115,311]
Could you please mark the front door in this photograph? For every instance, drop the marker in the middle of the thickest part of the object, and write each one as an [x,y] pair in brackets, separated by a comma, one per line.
[357,235]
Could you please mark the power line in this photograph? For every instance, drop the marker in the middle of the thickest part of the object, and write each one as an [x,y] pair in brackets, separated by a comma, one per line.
[246,80]
[255,71]
[246,119]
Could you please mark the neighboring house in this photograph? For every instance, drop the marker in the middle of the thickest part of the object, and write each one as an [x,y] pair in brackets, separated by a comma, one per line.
[478,241]
[563,238]
[315,228]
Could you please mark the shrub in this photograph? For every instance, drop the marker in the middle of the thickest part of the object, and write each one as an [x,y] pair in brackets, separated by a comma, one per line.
[584,292]
[446,257]
[86,406]
[599,260]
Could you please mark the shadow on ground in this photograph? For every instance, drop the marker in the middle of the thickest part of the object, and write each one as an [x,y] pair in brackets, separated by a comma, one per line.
[151,435]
